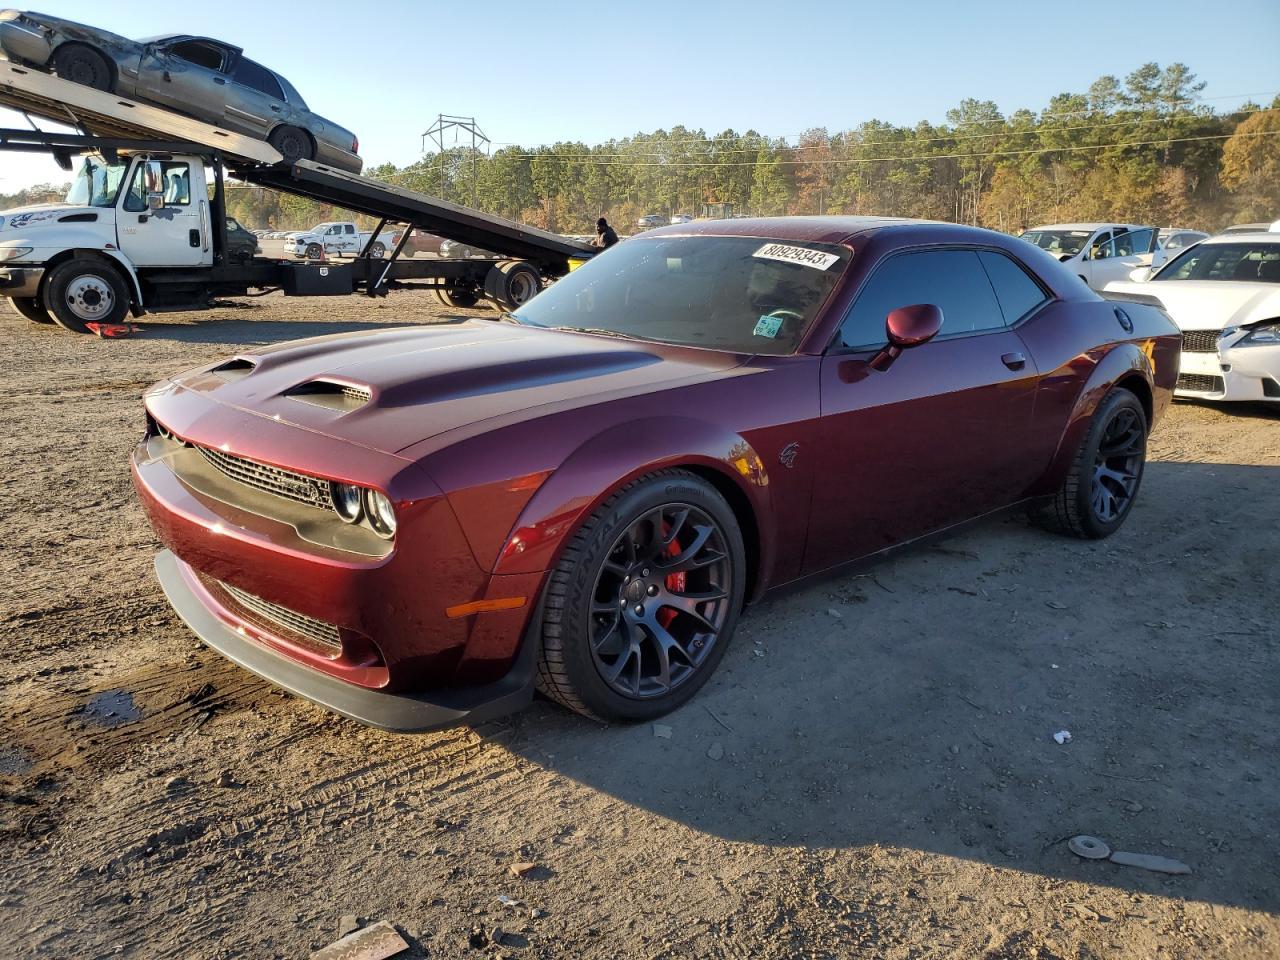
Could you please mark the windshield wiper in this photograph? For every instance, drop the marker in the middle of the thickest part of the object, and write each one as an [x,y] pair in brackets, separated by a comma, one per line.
[603,332]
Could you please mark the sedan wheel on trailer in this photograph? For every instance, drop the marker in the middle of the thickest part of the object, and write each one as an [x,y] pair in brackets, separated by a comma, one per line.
[293,144]
[86,290]
[641,607]
[456,297]
[1103,481]
[512,283]
[83,65]
[32,309]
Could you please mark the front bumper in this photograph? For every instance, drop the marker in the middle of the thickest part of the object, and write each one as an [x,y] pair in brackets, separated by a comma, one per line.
[401,712]
[1232,373]
[21,281]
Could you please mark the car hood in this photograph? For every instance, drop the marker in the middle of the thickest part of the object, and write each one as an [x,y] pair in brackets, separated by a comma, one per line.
[1207,304]
[388,390]
[42,215]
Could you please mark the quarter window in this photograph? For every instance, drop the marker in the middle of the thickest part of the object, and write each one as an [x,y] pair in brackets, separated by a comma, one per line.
[258,77]
[200,52]
[1017,292]
[953,280]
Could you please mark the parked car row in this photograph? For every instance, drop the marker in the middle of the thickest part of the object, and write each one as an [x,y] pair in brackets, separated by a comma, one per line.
[1102,252]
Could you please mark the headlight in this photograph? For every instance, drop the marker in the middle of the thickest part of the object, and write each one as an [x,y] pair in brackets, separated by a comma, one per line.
[382,515]
[347,502]
[13,253]
[1267,334]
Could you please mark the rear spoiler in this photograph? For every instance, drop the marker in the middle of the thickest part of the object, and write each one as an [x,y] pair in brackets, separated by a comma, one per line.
[1127,297]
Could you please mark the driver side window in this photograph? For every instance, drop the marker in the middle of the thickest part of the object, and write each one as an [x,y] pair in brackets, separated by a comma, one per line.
[953,280]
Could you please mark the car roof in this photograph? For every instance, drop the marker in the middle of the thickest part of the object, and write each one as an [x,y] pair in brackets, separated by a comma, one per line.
[803,229]
[1083,226]
[1252,236]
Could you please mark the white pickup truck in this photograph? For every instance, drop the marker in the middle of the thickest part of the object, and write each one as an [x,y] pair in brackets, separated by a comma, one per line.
[336,238]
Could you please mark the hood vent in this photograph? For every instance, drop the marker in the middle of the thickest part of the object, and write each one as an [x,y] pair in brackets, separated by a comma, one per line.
[332,394]
[79,218]
[235,369]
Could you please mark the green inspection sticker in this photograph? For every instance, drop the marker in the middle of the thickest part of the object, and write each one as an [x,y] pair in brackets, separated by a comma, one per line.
[768,327]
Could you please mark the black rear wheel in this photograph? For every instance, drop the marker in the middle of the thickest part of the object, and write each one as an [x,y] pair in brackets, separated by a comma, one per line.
[32,309]
[83,65]
[292,143]
[456,297]
[644,601]
[1100,488]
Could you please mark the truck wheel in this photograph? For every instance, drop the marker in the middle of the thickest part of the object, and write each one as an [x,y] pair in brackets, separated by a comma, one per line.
[314,251]
[86,290]
[512,283]
[456,297]
[293,144]
[32,309]
[377,251]
[83,65]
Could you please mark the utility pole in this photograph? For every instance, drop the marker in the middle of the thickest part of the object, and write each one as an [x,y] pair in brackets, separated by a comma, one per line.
[459,125]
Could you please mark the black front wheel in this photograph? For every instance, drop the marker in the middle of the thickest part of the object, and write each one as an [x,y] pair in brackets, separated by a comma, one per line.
[1100,488]
[642,605]
[86,290]
[83,65]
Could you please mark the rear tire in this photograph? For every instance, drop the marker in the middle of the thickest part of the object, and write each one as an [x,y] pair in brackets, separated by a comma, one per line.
[624,635]
[292,143]
[83,65]
[377,251]
[86,290]
[512,283]
[455,297]
[1102,484]
[31,308]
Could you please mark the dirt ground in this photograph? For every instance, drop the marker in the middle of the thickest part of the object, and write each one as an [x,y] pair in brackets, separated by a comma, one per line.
[871,773]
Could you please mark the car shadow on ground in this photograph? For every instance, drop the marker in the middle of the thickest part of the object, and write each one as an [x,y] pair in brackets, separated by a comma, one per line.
[914,705]
[217,330]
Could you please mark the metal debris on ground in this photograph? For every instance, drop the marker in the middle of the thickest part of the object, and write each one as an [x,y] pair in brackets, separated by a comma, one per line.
[1092,848]
[1062,736]
[375,942]
[509,901]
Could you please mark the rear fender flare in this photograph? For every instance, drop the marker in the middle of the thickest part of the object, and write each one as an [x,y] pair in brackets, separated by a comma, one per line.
[612,459]
[1124,361]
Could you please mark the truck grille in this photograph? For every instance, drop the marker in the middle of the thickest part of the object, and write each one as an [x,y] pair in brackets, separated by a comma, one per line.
[320,634]
[283,483]
[1199,382]
[1200,341]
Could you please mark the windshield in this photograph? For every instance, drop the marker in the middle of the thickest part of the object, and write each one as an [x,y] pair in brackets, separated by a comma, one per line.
[1247,262]
[1059,242]
[97,183]
[740,294]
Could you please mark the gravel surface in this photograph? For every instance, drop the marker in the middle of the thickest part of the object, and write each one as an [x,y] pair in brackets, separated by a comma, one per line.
[872,772]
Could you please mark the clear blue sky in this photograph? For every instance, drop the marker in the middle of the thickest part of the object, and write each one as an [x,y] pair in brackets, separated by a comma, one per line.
[540,72]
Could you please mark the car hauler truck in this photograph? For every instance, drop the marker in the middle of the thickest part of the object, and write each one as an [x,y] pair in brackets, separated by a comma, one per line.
[144,225]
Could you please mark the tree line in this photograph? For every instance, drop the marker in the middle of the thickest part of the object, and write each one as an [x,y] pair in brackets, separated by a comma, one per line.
[1144,149]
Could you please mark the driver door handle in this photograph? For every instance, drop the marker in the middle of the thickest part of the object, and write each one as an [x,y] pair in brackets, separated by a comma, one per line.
[219,80]
[1014,361]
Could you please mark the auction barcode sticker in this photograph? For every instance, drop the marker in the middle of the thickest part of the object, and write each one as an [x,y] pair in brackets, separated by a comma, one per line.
[801,255]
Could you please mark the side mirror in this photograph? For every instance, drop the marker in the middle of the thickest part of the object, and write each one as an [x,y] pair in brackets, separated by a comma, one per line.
[1140,274]
[153,177]
[155,201]
[907,327]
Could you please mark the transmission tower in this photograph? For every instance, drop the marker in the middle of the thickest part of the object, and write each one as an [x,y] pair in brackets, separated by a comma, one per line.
[459,125]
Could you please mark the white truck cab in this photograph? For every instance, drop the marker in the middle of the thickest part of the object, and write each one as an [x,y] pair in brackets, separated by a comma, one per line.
[79,259]
[1097,252]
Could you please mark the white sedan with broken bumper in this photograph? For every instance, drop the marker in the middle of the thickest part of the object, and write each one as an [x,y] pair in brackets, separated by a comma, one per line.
[1224,294]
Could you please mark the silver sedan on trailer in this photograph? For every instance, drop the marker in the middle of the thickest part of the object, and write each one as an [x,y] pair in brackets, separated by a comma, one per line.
[206,79]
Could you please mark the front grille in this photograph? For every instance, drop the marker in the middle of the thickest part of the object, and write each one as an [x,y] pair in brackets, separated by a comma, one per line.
[1200,383]
[1200,341]
[324,635]
[283,483]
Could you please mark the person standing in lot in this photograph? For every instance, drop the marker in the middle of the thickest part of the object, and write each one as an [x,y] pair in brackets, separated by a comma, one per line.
[606,236]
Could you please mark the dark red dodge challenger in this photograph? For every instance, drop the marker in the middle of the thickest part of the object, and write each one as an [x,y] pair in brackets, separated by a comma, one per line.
[420,526]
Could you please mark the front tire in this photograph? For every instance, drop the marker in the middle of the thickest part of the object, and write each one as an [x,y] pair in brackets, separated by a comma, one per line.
[83,65]
[32,309]
[1099,490]
[456,297]
[86,290]
[377,251]
[642,606]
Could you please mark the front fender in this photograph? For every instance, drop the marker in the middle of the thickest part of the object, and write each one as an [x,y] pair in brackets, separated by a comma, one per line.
[124,263]
[613,458]
[1122,361]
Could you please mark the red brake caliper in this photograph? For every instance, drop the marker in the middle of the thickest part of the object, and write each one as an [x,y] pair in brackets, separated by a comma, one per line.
[675,583]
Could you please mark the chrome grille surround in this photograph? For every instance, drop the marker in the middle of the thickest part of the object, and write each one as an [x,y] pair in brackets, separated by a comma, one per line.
[323,635]
[283,483]
[1200,341]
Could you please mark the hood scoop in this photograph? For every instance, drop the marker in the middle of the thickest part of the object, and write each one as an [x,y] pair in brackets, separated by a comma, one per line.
[332,394]
[235,369]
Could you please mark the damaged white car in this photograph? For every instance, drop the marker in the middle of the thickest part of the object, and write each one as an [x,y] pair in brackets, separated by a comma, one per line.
[1224,294]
